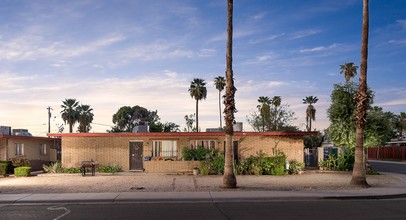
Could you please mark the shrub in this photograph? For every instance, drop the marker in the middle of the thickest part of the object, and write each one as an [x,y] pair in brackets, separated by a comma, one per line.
[53,167]
[295,166]
[9,166]
[3,169]
[213,164]
[343,162]
[71,170]
[22,171]
[113,168]
[20,162]
[198,154]
[261,164]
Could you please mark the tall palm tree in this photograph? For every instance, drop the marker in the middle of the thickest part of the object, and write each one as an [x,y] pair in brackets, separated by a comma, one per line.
[229,179]
[69,114]
[349,70]
[359,172]
[220,83]
[198,91]
[310,111]
[85,118]
[276,101]
[264,110]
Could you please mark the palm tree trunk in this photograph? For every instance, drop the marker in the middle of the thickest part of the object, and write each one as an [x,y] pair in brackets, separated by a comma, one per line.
[197,115]
[359,173]
[221,124]
[229,179]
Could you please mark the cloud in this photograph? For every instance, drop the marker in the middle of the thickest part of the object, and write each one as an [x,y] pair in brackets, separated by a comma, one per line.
[304,33]
[260,59]
[318,49]
[402,23]
[270,38]
[158,50]
[397,42]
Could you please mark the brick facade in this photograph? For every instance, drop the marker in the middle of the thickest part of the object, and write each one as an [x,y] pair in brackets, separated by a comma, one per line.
[114,148]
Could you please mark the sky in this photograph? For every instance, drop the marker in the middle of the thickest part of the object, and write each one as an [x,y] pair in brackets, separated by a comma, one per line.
[109,54]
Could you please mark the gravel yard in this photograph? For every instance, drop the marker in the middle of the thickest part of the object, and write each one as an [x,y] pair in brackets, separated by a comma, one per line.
[153,182]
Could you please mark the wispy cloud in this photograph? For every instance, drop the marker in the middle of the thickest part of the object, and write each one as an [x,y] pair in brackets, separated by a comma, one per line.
[270,38]
[304,33]
[318,49]
[158,50]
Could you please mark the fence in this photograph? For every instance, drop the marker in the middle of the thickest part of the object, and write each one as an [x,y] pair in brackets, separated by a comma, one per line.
[387,153]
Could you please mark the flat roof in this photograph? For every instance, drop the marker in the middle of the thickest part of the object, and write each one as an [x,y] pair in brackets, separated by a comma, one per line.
[177,134]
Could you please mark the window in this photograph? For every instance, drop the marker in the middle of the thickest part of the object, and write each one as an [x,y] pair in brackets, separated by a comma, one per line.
[18,149]
[42,149]
[164,149]
[208,144]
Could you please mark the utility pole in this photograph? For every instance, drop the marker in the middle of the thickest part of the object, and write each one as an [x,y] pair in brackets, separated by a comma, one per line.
[49,119]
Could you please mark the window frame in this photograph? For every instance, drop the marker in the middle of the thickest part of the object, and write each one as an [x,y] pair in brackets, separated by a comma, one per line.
[42,149]
[159,148]
[207,144]
[18,149]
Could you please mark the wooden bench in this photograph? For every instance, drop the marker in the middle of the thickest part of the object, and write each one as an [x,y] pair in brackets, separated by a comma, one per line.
[88,165]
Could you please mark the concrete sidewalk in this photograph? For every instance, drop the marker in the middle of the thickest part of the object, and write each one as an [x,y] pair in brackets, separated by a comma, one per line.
[393,191]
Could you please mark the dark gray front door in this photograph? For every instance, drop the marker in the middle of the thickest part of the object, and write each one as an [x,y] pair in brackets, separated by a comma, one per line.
[136,149]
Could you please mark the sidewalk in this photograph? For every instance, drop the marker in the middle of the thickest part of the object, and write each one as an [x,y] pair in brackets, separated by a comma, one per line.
[377,192]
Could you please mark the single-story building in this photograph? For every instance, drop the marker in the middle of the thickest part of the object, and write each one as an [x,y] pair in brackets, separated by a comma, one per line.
[38,150]
[162,152]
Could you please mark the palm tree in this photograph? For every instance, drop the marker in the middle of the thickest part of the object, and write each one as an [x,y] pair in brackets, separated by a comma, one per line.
[198,91]
[229,179]
[85,118]
[264,110]
[220,83]
[349,70]
[359,172]
[310,111]
[69,114]
[276,101]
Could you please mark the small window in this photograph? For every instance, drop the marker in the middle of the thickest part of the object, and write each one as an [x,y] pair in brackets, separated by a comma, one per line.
[18,149]
[208,144]
[42,149]
[164,149]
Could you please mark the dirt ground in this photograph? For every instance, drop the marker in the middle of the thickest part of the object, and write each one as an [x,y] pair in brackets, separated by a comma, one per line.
[153,182]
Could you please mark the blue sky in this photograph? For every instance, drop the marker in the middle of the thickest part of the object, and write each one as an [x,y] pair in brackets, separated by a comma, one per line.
[110,54]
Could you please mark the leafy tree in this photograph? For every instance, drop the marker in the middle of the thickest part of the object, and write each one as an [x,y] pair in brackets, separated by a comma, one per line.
[359,171]
[229,179]
[85,118]
[399,124]
[220,83]
[310,111]
[164,127]
[69,113]
[127,117]
[198,91]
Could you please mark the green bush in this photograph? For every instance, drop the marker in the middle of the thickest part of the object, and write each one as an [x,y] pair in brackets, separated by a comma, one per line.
[3,169]
[9,168]
[198,154]
[213,164]
[343,162]
[261,164]
[71,170]
[295,166]
[22,171]
[113,168]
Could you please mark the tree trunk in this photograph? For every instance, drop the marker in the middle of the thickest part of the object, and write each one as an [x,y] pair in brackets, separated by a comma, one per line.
[359,172]
[229,179]
[197,115]
[221,124]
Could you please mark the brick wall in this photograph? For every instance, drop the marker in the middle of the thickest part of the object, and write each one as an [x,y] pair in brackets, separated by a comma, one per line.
[107,149]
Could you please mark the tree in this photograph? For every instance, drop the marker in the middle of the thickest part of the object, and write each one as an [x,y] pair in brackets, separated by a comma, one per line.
[229,179]
[198,91]
[220,83]
[349,70]
[85,118]
[189,122]
[164,127]
[277,118]
[310,110]
[69,114]
[359,172]
[264,110]
[127,117]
